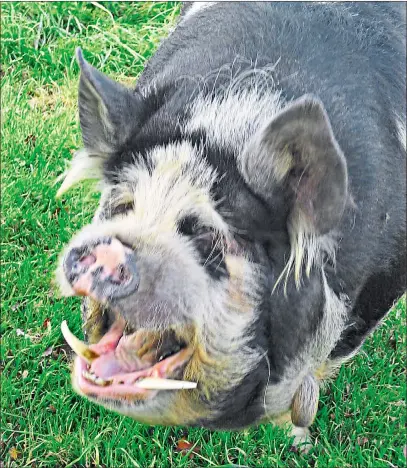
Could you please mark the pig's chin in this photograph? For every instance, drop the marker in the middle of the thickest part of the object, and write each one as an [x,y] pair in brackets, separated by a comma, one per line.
[119,365]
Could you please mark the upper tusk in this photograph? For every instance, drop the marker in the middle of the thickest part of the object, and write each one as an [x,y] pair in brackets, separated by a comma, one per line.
[80,348]
[154,383]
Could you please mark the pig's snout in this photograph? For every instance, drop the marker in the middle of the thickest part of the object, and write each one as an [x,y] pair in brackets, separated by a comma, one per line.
[104,269]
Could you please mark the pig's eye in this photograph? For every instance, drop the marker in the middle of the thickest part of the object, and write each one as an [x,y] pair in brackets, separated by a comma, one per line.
[189,226]
[206,244]
[192,228]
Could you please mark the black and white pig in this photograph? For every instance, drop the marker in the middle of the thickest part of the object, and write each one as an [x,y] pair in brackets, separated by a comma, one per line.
[251,227]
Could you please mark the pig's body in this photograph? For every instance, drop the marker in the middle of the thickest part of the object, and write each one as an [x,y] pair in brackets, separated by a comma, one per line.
[326,228]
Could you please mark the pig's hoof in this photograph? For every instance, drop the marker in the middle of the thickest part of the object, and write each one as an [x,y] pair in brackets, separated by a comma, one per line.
[302,439]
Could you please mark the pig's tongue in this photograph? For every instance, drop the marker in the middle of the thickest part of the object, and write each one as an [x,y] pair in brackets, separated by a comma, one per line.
[107,366]
[121,359]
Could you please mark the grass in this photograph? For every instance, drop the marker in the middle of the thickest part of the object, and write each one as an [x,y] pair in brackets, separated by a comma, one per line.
[43,423]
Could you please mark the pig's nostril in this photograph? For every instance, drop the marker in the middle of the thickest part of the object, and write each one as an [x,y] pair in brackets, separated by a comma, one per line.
[77,262]
[121,275]
[87,260]
[124,280]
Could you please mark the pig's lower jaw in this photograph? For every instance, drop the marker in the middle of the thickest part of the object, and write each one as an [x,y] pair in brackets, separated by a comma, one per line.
[127,386]
[130,368]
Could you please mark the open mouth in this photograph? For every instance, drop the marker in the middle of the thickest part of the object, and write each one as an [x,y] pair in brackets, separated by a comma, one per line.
[129,367]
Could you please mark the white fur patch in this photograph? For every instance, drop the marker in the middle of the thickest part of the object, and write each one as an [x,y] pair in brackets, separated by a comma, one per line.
[232,119]
[401,130]
[198,7]
[82,167]
[178,186]
[307,250]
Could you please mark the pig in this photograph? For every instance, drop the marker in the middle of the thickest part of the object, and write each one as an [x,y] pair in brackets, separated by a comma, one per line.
[251,228]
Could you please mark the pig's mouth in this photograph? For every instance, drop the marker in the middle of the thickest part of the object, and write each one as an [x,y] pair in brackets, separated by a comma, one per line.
[123,365]
[129,367]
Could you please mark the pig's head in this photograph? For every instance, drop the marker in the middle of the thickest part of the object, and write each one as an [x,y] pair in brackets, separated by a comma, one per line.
[192,267]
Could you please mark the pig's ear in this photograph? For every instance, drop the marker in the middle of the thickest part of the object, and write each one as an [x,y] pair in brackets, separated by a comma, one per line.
[108,111]
[297,151]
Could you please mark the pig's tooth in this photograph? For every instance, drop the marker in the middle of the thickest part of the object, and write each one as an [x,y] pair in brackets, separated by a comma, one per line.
[95,379]
[102,382]
[154,383]
[80,348]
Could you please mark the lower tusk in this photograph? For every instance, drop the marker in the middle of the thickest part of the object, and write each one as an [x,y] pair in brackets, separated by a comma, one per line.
[153,383]
[78,346]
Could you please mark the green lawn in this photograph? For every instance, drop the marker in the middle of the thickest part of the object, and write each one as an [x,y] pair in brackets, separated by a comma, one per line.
[43,423]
